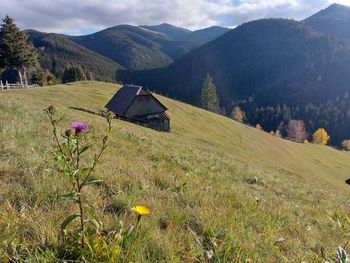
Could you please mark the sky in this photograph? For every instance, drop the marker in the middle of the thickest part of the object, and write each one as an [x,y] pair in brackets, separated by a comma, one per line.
[86,16]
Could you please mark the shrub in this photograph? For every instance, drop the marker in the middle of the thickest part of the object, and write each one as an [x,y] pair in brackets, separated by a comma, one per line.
[38,77]
[296,130]
[72,74]
[51,79]
[238,114]
[278,133]
[346,145]
[321,137]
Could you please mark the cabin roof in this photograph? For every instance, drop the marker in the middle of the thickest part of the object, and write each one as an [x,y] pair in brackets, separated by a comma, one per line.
[121,101]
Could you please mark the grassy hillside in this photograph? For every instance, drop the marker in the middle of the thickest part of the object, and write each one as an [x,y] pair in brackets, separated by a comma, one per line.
[215,187]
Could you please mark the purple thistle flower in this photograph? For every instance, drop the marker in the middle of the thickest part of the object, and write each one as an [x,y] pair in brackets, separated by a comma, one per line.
[79,127]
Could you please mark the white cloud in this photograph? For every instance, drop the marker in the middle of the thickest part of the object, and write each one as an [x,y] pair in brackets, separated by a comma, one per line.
[80,16]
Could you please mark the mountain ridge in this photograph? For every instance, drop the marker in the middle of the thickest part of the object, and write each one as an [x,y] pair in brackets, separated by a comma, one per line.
[273,61]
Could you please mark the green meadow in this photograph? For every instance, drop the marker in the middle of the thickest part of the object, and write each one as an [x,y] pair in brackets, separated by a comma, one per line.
[218,190]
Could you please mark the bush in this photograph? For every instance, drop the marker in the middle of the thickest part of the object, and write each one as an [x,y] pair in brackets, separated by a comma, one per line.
[238,114]
[38,77]
[346,145]
[51,79]
[72,74]
[296,130]
[278,133]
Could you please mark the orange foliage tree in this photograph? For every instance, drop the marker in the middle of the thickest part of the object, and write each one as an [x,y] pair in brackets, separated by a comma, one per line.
[321,137]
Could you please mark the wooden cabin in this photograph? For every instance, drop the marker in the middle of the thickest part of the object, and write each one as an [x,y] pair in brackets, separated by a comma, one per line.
[134,104]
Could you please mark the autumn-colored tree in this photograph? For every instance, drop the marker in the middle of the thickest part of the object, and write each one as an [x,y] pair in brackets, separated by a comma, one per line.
[320,137]
[296,130]
[209,97]
[346,145]
[238,114]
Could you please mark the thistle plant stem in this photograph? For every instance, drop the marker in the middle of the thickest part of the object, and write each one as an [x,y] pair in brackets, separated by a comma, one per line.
[55,132]
[81,211]
[97,157]
[81,216]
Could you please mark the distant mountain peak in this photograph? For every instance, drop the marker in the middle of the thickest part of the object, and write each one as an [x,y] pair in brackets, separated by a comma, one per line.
[167,25]
[335,5]
[171,31]
[335,11]
[333,20]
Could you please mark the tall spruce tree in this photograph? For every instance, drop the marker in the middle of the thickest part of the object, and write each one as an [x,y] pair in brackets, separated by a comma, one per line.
[15,51]
[209,97]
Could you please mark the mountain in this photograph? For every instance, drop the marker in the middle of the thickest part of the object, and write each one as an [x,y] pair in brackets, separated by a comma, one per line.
[132,47]
[169,30]
[145,47]
[334,20]
[55,53]
[103,53]
[205,35]
[280,68]
[123,46]
[211,182]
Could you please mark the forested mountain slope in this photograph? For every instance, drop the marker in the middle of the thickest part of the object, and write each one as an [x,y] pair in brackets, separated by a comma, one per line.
[55,53]
[275,69]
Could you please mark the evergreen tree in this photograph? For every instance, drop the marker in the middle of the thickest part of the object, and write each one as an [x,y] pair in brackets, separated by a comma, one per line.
[15,51]
[209,97]
[71,74]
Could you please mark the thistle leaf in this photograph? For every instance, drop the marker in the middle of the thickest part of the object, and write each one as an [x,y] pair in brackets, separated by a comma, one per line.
[84,149]
[67,221]
[92,182]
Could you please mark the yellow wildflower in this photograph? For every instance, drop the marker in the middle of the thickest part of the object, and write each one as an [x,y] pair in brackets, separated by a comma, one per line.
[141,210]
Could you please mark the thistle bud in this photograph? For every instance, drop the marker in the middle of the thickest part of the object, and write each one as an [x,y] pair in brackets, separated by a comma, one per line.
[110,115]
[69,132]
[51,109]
